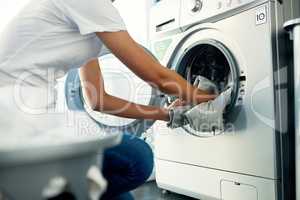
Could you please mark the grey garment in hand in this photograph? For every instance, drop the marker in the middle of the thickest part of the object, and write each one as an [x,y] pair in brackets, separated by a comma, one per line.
[176,115]
[208,116]
[206,85]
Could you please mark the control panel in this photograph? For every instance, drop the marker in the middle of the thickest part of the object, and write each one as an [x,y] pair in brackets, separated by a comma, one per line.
[194,11]
[165,16]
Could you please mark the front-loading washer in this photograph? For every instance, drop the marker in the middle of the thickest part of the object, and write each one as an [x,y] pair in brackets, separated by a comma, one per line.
[237,42]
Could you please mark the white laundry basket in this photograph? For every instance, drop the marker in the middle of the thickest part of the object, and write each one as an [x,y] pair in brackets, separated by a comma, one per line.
[47,171]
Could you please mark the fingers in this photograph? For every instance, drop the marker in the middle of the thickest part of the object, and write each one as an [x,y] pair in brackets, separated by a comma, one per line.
[177,103]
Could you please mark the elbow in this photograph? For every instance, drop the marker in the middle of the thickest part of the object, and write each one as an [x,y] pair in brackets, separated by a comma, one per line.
[99,104]
[96,101]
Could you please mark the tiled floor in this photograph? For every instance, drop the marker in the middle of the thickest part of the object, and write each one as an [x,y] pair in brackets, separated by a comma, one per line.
[150,191]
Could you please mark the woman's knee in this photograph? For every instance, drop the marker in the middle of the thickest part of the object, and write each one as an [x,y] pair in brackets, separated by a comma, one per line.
[129,164]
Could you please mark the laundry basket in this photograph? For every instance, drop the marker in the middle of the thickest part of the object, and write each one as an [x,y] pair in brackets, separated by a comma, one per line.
[49,172]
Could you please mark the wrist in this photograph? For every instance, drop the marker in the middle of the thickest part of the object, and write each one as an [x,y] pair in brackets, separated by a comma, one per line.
[165,115]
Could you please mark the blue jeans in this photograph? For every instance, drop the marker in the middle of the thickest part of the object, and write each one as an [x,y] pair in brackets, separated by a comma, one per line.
[126,167]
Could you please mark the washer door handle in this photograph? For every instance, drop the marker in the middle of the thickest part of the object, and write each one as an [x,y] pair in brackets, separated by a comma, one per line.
[198,6]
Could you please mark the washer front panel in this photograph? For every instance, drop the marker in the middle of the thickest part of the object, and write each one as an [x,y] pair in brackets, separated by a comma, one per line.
[248,146]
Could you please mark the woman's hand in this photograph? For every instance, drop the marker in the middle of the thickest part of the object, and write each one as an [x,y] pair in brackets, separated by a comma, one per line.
[176,113]
[176,103]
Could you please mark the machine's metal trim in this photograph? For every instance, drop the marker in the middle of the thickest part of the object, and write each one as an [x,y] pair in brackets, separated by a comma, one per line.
[277,106]
[293,26]
[283,105]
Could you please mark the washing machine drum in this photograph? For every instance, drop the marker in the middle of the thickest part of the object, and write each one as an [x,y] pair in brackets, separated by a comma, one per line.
[212,60]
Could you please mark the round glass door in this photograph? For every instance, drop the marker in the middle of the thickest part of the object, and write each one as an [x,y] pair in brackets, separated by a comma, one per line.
[212,60]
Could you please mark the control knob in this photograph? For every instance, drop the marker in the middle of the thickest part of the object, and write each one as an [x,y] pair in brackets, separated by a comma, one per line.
[198,4]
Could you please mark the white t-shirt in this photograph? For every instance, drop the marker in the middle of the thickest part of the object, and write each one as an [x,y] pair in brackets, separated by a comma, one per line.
[56,35]
[44,41]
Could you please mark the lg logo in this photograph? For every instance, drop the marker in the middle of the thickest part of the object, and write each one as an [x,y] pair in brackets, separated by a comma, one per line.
[261,15]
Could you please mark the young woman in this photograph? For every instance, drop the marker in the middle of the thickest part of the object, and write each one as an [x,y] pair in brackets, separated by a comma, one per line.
[49,37]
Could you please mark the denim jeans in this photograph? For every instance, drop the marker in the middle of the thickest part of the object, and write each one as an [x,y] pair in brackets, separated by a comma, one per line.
[126,167]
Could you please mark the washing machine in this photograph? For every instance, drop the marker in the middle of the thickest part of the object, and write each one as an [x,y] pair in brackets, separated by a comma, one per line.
[242,43]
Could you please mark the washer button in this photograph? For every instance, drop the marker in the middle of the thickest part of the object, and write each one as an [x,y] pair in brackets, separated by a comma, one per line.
[242,92]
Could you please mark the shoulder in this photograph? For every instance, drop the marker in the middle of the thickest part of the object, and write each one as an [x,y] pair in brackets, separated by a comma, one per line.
[92,16]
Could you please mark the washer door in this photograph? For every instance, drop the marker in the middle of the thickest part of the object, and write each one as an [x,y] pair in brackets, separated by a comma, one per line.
[211,59]
[121,82]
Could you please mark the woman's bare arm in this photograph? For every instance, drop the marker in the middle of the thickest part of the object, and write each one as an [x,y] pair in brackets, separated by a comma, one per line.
[147,68]
[144,66]
[99,100]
